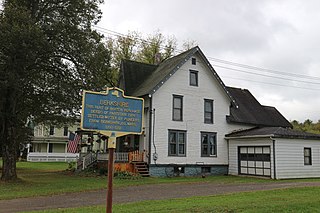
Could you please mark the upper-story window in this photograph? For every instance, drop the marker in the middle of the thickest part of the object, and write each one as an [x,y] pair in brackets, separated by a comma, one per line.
[51,131]
[193,78]
[177,108]
[65,131]
[193,61]
[208,111]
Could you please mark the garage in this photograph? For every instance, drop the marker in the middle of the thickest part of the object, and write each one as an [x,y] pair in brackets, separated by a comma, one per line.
[254,160]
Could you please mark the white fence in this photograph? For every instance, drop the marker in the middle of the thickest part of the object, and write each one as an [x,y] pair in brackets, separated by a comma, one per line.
[52,157]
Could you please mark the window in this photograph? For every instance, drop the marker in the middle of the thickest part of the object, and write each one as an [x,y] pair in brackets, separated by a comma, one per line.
[51,131]
[177,108]
[193,78]
[208,111]
[208,144]
[193,61]
[177,143]
[50,148]
[307,156]
[205,169]
[65,131]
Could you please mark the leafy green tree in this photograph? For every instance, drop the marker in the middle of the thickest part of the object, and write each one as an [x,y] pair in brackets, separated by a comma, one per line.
[48,54]
[153,49]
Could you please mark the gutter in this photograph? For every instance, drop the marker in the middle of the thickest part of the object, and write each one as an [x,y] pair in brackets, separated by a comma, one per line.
[250,136]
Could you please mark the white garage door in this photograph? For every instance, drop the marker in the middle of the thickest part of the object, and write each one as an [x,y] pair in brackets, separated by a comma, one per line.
[254,160]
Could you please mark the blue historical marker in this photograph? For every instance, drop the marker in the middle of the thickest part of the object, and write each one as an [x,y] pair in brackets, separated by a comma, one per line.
[111,111]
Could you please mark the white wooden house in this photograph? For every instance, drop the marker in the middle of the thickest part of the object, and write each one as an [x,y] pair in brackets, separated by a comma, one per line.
[190,116]
[50,144]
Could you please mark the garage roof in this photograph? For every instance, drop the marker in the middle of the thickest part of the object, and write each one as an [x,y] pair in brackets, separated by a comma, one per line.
[276,132]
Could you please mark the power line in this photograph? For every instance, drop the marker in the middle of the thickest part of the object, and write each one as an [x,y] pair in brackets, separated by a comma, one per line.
[260,82]
[262,69]
[259,74]
[111,32]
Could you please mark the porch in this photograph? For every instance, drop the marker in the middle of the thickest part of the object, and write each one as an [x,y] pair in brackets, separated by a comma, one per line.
[123,161]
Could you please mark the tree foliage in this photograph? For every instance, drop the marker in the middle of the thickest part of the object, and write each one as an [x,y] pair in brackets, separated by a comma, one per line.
[307,126]
[151,49]
[48,53]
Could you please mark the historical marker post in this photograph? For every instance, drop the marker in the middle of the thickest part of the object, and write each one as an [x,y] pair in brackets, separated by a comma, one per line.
[112,114]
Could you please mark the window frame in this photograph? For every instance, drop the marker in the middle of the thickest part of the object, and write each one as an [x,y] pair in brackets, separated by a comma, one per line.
[308,157]
[65,131]
[195,72]
[51,130]
[177,142]
[174,108]
[208,154]
[206,121]
[193,61]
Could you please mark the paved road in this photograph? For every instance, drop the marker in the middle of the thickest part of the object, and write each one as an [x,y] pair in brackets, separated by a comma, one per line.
[138,193]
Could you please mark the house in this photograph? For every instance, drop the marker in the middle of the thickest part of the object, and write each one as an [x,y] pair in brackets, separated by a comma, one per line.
[50,144]
[194,124]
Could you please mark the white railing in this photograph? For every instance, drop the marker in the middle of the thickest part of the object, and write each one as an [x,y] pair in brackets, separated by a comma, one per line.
[118,157]
[88,159]
[52,157]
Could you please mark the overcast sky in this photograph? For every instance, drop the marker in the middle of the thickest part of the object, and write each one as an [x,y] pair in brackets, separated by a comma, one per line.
[281,37]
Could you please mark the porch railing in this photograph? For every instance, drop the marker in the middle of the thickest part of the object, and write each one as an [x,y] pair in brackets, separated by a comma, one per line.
[135,156]
[87,160]
[122,156]
[51,157]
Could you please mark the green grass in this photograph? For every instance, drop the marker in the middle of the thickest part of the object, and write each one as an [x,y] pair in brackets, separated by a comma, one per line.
[45,178]
[281,200]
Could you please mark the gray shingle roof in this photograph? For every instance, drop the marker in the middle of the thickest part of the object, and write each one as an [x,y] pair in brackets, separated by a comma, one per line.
[250,111]
[275,132]
[139,79]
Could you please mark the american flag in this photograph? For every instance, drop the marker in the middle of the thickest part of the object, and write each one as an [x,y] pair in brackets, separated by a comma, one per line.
[74,140]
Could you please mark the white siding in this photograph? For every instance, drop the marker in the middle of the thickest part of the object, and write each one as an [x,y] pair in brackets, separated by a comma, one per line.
[233,152]
[193,115]
[290,158]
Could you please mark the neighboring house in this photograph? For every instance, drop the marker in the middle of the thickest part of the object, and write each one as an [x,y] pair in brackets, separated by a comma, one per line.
[50,144]
[194,124]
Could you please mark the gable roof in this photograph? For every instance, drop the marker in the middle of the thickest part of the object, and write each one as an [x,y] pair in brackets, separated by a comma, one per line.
[133,74]
[275,132]
[250,111]
[152,77]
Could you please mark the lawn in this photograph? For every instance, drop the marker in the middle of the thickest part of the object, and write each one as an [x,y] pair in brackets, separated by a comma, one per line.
[281,200]
[46,178]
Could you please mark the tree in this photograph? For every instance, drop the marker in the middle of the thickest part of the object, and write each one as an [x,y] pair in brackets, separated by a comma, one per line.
[147,50]
[48,53]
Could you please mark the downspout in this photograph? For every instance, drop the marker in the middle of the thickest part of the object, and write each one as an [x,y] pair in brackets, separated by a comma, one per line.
[150,129]
[274,159]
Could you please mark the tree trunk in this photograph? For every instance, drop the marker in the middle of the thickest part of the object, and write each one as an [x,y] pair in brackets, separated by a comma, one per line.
[8,138]
[9,158]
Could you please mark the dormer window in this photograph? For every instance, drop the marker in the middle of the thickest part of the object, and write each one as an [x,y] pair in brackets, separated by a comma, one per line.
[193,61]
[193,78]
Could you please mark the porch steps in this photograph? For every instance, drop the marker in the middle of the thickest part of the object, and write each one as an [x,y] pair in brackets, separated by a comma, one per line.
[141,168]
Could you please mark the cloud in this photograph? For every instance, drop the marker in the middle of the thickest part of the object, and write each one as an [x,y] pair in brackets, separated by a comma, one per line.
[280,35]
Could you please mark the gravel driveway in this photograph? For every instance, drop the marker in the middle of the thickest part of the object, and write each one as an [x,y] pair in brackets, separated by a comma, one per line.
[138,193]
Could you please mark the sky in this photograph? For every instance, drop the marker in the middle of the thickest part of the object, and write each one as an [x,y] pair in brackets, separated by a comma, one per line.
[270,47]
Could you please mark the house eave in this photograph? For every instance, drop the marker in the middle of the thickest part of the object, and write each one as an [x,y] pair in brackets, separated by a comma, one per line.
[250,136]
